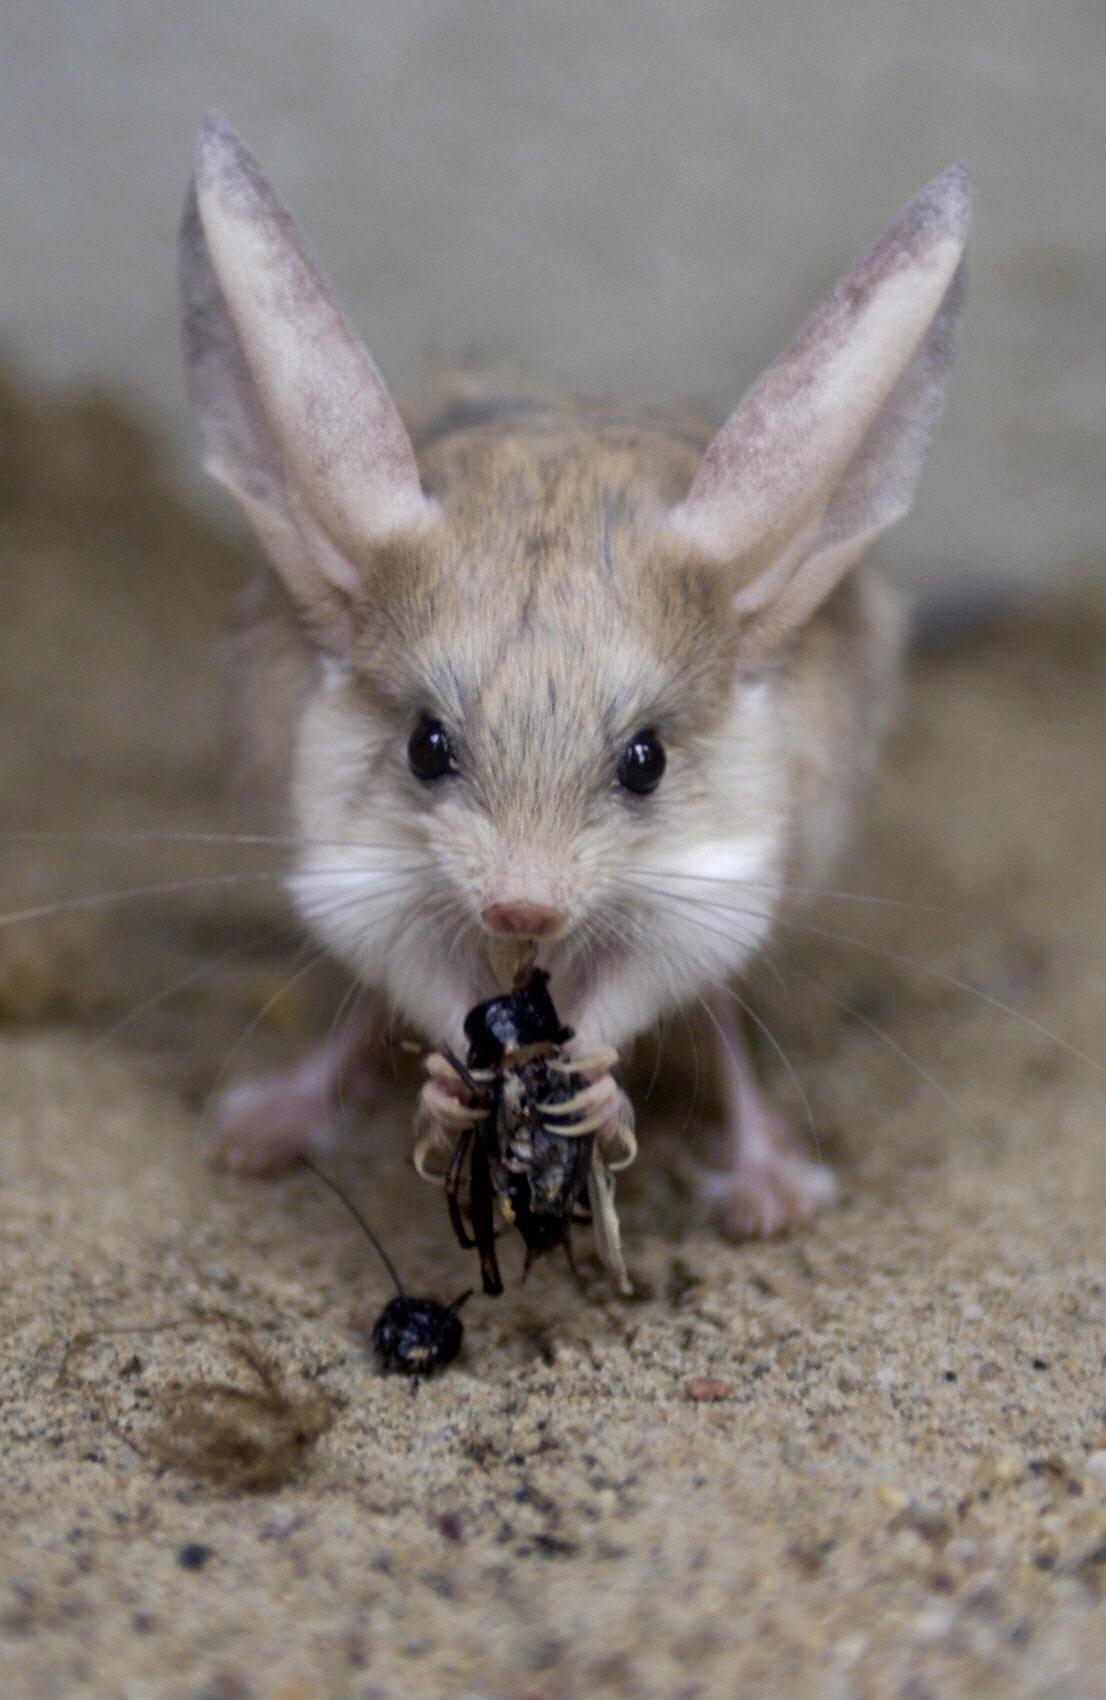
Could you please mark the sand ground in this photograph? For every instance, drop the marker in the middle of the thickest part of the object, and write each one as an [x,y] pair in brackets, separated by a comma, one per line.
[904,1492]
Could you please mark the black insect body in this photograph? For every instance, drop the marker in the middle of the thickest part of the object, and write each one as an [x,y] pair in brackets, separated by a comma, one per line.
[522,1017]
[537,1168]
[540,1174]
[417,1336]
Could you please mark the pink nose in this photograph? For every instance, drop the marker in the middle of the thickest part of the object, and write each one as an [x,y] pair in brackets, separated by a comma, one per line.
[529,919]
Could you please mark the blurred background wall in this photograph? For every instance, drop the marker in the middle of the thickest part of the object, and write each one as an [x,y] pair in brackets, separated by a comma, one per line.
[641,196]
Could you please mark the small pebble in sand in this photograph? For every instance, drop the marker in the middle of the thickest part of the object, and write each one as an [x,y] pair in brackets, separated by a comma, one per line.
[705,1390]
[1096,1465]
[194,1556]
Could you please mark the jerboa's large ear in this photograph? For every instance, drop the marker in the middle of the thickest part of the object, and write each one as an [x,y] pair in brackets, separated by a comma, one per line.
[295,417]
[825,450]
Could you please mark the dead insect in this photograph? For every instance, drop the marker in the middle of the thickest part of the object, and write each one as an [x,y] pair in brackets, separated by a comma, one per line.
[530,1142]
[417,1336]
[410,1336]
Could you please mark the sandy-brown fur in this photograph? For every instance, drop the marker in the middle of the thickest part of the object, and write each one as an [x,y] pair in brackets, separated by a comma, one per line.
[548,557]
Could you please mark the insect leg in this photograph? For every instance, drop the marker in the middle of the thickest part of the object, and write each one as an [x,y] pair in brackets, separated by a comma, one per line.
[452,1187]
[483,1221]
[608,1237]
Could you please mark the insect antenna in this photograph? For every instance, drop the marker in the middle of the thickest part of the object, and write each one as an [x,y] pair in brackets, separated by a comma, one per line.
[411,1336]
[460,1070]
[361,1222]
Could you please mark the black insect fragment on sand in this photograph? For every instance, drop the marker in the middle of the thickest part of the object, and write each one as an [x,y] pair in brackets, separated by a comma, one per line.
[411,1336]
[417,1336]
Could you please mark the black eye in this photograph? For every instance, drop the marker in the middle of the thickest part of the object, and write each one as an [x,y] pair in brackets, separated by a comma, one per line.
[642,763]
[429,750]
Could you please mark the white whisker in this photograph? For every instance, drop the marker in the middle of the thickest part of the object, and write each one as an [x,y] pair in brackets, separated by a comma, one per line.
[885,1038]
[788,924]
[317,956]
[762,1027]
[169,888]
[156,836]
